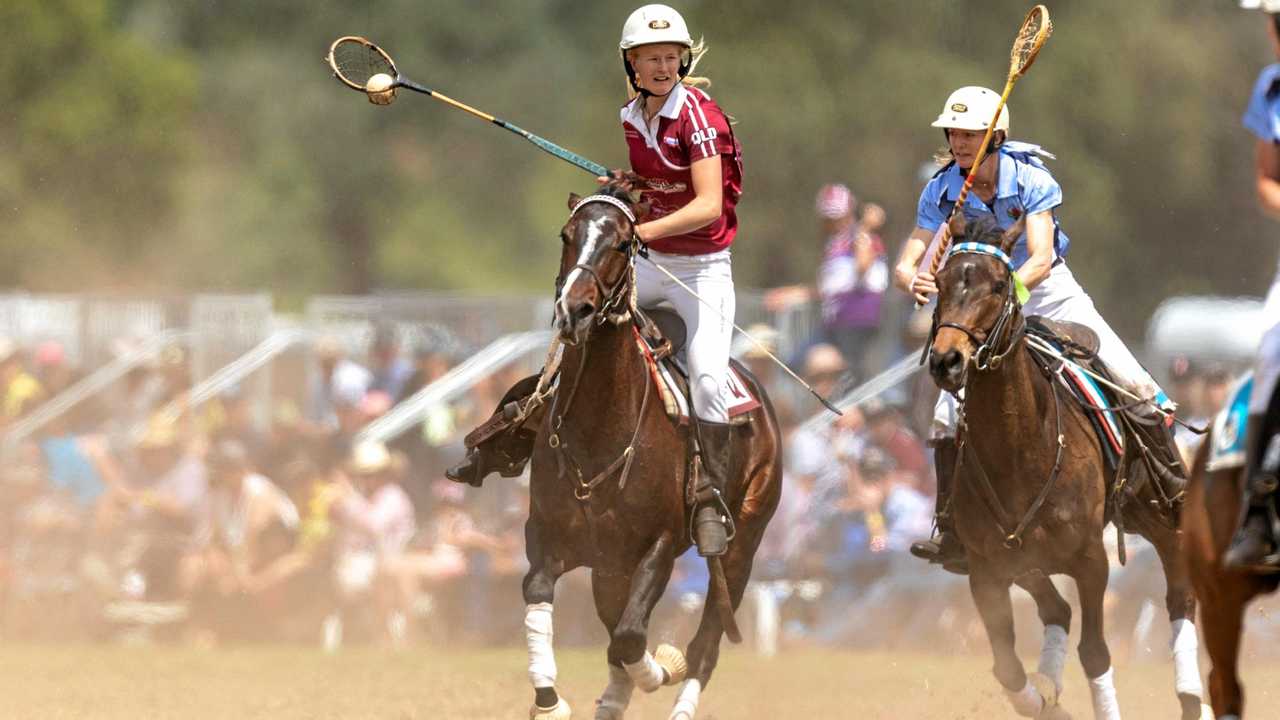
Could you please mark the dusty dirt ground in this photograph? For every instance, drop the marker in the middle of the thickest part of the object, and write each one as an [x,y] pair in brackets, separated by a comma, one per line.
[121,683]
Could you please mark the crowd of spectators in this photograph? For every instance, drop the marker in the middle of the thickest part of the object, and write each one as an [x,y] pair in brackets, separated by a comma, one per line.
[125,518]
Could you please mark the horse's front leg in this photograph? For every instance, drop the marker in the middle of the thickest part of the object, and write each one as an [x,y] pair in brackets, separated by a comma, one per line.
[1180,601]
[628,643]
[991,596]
[1090,575]
[611,592]
[1055,614]
[539,593]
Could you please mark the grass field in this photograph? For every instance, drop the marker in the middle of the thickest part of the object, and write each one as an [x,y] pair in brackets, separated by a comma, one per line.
[115,683]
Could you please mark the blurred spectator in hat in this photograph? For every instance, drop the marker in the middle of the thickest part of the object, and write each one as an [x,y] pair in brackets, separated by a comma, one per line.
[376,521]
[825,369]
[51,367]
[248,525]
[19,390]
[1186,386]
[389,369]
[887,431]
[339,386]
[851,281]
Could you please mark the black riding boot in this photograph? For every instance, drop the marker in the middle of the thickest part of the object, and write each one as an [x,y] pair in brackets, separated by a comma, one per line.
[947,550]
[1254,547]
[710,521]
[495,445]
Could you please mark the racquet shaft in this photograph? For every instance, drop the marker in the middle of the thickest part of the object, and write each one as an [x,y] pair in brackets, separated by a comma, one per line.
[546,145]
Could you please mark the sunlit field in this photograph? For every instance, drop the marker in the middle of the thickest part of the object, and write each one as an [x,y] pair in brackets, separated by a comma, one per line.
[281,683]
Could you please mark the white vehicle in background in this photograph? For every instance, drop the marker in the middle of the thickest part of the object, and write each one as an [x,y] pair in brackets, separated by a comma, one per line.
[1205,329]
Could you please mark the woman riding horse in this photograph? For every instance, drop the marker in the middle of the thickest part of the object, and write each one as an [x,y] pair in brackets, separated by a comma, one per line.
[1013,185]
[1256,546]
[681,142]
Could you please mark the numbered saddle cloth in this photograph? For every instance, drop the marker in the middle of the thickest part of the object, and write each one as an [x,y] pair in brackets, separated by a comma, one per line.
[1228,450]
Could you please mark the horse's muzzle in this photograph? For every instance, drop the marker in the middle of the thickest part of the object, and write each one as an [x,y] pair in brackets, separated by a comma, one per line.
[573,320]
[948,368]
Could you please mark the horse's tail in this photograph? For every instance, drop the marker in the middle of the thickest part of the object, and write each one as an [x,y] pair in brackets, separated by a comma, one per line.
[718,593]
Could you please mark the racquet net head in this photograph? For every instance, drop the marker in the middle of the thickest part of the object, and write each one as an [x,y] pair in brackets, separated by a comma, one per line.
[1031,36]
[354,60]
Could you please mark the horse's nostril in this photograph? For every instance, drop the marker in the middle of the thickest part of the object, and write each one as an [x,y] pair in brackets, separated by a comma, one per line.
[583,311]
[946,364]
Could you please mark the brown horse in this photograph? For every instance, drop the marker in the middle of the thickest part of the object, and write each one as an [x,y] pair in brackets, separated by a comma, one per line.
[1208,521]
[610,473]
[1031,497]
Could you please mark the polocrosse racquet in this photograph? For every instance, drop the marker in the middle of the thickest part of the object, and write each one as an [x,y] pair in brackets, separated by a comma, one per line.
[1026,46]
[355,61]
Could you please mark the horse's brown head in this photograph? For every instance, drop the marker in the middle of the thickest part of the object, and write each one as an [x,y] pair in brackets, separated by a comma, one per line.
[595,262]
[977,307]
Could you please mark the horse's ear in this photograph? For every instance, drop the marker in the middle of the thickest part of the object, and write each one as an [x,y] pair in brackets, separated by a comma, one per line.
[1012,234]
[574,199]
[958,225]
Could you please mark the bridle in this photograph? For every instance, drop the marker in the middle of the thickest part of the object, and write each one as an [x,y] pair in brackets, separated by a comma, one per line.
[988,356]
[1004,331]
[613,297]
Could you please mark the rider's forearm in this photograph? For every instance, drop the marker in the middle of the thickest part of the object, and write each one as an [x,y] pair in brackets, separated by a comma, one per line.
[699,213]
[1035,270]
[908,263]
[1269,195]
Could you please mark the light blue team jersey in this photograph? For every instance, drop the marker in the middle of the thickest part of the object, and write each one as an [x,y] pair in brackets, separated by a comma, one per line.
[1023,187]
[1262,118]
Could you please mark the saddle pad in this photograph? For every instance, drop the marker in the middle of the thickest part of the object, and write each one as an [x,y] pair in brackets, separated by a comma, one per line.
[1103,420]
[673,385]
[1228,450]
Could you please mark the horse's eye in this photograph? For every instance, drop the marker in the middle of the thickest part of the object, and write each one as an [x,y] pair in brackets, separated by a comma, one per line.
[1000,287]
[564,238]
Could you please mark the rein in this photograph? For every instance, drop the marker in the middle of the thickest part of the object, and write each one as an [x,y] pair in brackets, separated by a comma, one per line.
[622,292]
[986,358]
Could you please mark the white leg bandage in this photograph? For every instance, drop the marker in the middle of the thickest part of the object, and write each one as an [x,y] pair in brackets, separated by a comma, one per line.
[645,673]
[1027,701]
[1103,689]
[1186,659]
[1053,654]
[537,632]
[617,695]
[686,706]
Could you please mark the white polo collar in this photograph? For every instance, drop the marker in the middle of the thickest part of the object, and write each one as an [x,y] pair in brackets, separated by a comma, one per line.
[633,112]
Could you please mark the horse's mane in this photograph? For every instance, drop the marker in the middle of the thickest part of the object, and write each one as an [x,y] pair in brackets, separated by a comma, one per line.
[983,229]
[620,189]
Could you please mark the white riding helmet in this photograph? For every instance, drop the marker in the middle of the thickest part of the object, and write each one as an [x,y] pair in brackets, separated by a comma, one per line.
[1266,6]
[653,24]
[971,108]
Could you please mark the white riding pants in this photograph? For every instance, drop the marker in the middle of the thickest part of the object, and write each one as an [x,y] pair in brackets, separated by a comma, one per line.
[1061,298]
[710,331]
[1266,372]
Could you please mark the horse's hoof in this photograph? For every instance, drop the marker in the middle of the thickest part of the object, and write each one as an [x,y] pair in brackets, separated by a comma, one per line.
[1047,688]
[1054,712]
[1206,712]
[672,662]
[559,712]
[607,712]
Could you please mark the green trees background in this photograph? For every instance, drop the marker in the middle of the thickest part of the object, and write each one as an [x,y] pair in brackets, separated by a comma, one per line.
[160,145]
